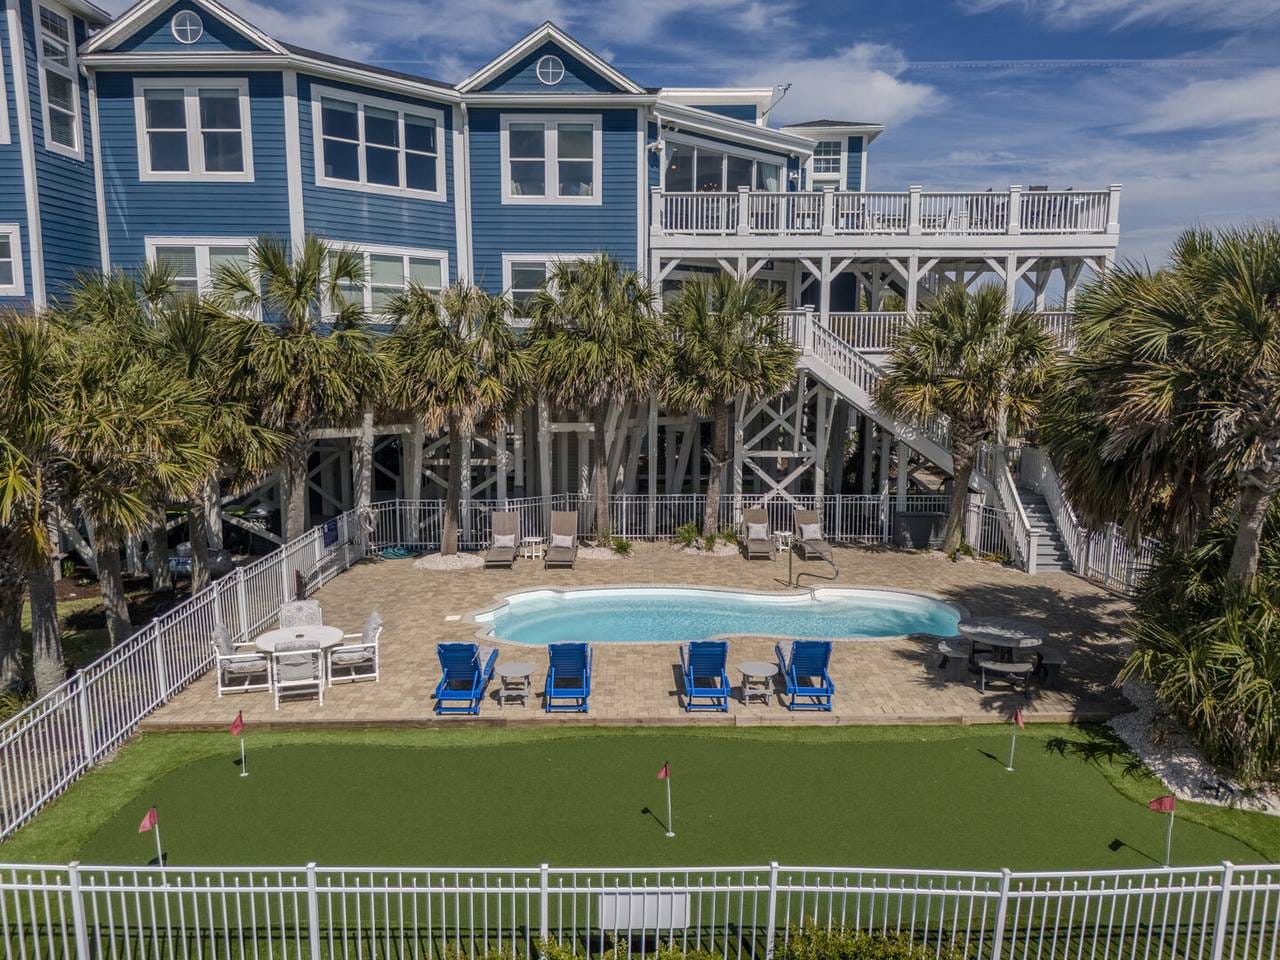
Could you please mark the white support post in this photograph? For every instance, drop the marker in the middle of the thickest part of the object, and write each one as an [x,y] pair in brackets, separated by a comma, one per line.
[362,475]
[886,447]
[1015,209]
[1113,209]
[78,923]
[500,459]
[821,437]
[544,902]
[313,912]
[904,460]
[1223,918]
[913,284]
[868,438]
[1011,282]
[162,671]
[771,922]
[413,462]
[651,440]
[824,295]
[744,217]
[86,725]
[913,210]
[655,214]
[544,458]
[242,601]
[828,215]
[1002,916]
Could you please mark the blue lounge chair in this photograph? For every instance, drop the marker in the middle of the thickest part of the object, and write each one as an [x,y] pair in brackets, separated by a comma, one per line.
[706,685]
[805,672]
[568,678]
[463,683]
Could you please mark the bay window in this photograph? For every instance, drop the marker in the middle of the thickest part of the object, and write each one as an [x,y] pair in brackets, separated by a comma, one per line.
[193,130]
[551,159]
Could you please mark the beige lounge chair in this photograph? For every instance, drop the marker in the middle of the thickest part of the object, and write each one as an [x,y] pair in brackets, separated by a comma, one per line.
[811,547]
[562,550]
[504,538]
[757,547]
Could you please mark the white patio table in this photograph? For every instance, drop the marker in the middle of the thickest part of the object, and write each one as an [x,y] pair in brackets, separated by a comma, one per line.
[323,637]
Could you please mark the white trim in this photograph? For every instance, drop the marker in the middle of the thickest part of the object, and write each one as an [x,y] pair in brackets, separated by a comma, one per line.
[18,288]
[550,158]
[22,97]
[842,182]
[173,27]
[69,72]
[195,141]
[435,114]
[642,188]
[777,159]
[4,102]
[201,244]
[862,178]
[99,191]
[553,64]
[461,192]
[546,259]
[548,31]
[405,253]
[718,125]
[293,159]
[142,14]
[727,150]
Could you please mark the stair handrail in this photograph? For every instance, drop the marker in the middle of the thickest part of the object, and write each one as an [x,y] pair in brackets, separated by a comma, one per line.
[1038,472]
[1024,537]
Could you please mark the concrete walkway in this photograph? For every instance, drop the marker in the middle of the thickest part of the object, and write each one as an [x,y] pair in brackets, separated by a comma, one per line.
[878,681]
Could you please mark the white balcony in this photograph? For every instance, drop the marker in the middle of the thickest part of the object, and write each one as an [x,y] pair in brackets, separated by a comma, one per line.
[913,218]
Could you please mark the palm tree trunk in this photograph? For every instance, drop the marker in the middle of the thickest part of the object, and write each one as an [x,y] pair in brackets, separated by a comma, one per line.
[1252,505]
[295,465]
[48,667]
[963,455]
[13,588]
[111,583]
[199,531]
[718,456]
[158,545]
[600,470]
[458,446]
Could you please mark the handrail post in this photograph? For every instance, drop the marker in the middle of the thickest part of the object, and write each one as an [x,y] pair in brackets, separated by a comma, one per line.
[770,932]
[77,909]
[313,912]
[242,601]
[806,331]
[655,210]
[86,725]
[1224,911]
[1015,209]
[1113,209]
[544,905]
[913,210]
[828,211]
[744,221]
[1033,545]
[1002,915]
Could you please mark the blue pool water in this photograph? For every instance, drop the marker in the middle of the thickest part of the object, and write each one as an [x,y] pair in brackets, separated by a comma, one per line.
[652,614]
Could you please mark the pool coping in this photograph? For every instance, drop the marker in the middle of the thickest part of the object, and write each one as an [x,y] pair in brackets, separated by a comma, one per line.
[502,599]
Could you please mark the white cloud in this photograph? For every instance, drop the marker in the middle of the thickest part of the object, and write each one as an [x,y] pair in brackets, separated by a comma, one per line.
[1206,104]
[862,82]
[1120,13]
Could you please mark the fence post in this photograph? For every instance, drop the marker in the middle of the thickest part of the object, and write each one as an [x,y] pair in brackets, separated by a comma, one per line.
[86,726]
[1224,910]
[242,602]
[770,931]
[544,905]
[77,910]
[1002,913]
[313,912]
[162,672]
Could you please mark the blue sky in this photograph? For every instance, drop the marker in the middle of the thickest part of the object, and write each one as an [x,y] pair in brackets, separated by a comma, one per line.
[1179,100]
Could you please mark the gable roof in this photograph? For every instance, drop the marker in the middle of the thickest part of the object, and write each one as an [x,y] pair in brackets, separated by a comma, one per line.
[143,12]
[534,39]
[834,123]
[329,58]
[90,13]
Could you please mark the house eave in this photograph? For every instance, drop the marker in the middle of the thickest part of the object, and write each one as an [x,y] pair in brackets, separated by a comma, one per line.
[141,13]
[704,121]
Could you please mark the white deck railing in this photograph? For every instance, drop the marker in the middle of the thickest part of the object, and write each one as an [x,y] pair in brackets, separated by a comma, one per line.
[877,331]
[914,212]
[741,912]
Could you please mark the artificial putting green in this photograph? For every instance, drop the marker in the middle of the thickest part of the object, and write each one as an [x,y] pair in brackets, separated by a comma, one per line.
[924,797]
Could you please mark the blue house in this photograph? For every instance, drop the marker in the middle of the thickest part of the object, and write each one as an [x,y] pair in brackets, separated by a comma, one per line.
[179,133]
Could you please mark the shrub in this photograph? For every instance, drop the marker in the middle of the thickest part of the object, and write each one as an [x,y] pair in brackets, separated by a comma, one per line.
[621,950]
[687,534]
[815,943]
[730,535]
[1211,649]
[621,546]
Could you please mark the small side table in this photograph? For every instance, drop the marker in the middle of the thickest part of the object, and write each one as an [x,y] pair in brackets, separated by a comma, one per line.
[533,548]
[783,539]
[757,680]
[514,682]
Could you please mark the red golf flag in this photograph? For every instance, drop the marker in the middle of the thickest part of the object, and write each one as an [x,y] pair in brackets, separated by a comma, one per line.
[665,771]
[1017,718]
[1165,804]
[237,725]
[149,821]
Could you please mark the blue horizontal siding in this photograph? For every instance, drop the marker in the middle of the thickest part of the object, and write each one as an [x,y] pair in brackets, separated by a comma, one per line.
[138,209]
[499,228]
[735,111]
[360,217]
[853,164]
[157,37]
[68,208]
[522,78]
[13,201]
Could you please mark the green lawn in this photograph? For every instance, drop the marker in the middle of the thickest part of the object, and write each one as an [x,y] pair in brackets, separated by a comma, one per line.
[927,797]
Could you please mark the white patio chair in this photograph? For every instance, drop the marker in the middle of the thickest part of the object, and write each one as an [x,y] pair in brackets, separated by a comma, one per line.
[238,672]
[297,666]
[358,661]
[300,613]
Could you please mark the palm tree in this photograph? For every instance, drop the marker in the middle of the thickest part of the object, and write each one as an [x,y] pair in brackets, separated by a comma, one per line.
[976,362]
[596,339]
[297,343]
[459,366]
[726,342]
[1170,403]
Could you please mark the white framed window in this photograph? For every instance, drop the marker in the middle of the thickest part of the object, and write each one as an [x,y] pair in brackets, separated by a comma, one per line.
[523,275]
[195,260]
[11,279]
[551,158]
[701,166]
[549,70]
[389,271]
[827,165]
[376,145]
[186,26]
[193,129]
[59,81]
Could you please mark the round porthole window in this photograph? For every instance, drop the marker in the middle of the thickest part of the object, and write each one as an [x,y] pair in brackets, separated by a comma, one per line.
[550,70]
[186,27]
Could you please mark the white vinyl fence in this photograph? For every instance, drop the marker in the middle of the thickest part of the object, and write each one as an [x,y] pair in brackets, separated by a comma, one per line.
[314,912]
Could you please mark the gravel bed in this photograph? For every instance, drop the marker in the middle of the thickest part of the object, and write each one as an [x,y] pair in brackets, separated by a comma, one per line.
[458,561]
[599,553]
[719,550]
[1171,755]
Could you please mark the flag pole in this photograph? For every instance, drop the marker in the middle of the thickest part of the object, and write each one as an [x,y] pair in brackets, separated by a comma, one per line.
[1013,744]
[244,771]
[670,831]
[1168,841]
[159,849]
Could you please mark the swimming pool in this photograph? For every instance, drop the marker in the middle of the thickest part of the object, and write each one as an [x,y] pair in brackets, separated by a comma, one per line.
[655,614]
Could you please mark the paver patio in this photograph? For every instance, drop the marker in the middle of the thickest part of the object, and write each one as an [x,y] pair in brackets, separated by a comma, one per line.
[877,681]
